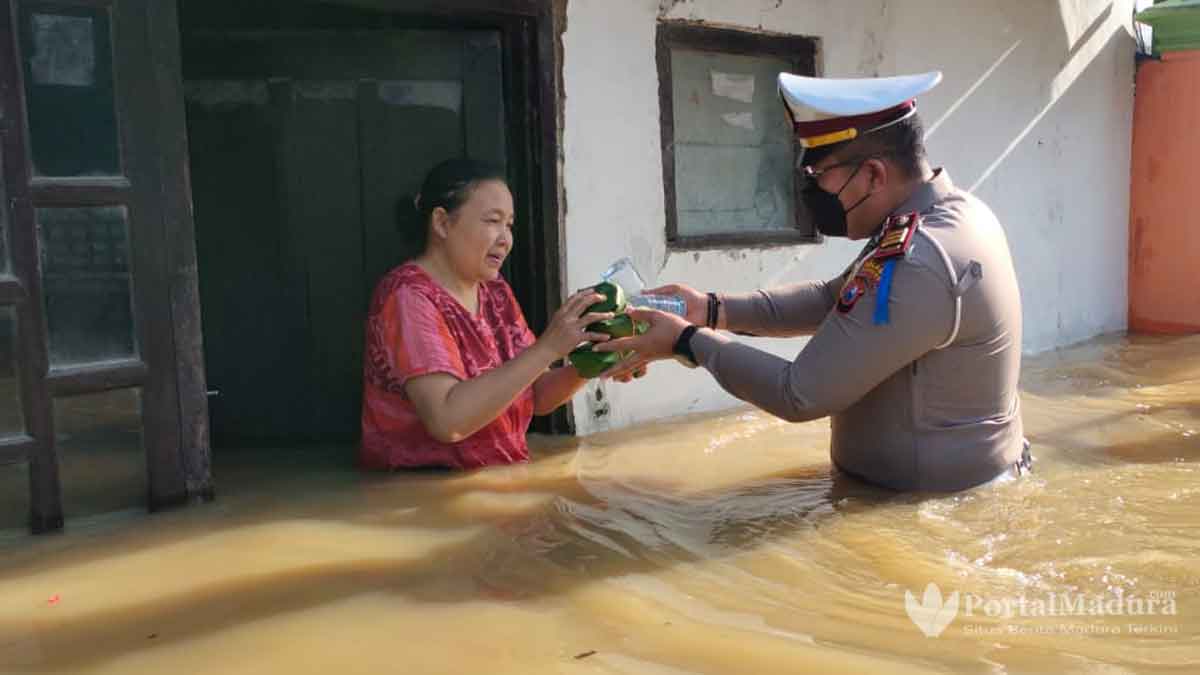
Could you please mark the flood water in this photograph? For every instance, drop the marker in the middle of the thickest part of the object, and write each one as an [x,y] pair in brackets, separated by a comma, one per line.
[715,545]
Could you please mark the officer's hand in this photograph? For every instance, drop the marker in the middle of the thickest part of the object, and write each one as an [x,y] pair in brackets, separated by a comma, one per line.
[628,370]
[697,302]
[656,343]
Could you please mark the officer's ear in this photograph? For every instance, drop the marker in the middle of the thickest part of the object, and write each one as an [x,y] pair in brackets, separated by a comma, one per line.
[877,173]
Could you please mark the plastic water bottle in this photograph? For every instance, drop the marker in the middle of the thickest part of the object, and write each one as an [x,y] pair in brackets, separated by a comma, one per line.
[674,304]
[624,274]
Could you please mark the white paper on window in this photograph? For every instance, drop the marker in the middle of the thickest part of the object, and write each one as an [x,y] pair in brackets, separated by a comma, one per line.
[446,94]
[742,120]
[733,85]
[64,51]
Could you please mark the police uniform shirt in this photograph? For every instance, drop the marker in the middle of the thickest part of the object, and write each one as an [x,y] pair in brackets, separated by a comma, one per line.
[918,371]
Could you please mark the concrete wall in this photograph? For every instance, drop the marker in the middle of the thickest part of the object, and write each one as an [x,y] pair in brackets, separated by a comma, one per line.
[1034,116]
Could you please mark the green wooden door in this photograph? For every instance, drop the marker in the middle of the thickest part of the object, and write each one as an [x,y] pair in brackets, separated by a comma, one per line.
[302,144]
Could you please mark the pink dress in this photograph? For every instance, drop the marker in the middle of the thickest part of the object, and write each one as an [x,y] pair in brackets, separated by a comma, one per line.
[415,327]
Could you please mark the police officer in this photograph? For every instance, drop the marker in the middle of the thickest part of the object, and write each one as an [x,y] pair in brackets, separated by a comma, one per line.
[916,347]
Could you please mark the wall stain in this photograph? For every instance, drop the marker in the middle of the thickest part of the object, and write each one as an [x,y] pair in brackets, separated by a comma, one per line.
[665,6]
[873,47]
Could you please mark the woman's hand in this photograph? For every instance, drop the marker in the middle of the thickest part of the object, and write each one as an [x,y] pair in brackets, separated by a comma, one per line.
[568,328]
[658,342]
[697,302]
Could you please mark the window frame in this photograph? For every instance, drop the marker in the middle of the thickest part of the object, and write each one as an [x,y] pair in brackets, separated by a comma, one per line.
[799,51]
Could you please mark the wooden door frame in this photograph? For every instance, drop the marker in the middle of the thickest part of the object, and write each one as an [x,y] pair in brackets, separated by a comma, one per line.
[180,471]
[36,446]
[144,50]
[531,32]
[194,465]
[532,43]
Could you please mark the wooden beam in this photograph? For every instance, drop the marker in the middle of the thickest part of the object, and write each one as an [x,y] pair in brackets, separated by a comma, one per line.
[547,56]
[98,4]
[761,238]
[180,235]
[94,378]
[140,106]
[798,49]
[666,124]
[454,8]
[16,449]
[12,291]
[96,183]
[96,193]
[45,490]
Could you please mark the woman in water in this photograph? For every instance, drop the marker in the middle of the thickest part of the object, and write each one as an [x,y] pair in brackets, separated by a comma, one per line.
[453,375]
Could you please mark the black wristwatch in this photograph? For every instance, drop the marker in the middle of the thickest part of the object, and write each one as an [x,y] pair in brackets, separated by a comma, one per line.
[683,345]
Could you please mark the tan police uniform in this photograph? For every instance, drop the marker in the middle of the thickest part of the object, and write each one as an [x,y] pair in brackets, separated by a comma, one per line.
[915,351]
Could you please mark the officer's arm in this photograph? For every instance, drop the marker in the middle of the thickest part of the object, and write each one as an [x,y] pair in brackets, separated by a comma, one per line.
[781,312]
[849,355]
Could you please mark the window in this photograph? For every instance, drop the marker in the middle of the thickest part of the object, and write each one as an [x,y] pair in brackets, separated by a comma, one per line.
[69,91]
[87,284]
[102,462]
[728,150]
[11,421]
[5,265]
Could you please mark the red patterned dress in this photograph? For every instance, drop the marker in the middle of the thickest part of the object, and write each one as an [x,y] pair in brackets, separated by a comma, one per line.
[415,327]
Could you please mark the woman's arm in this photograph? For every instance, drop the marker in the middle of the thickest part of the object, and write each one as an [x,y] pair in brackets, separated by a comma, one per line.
[453,409]
[555,388]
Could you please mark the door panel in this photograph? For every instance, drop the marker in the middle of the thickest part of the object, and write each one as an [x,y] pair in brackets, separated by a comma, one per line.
[237,189]
[83,164]
[395,160]
[324,244]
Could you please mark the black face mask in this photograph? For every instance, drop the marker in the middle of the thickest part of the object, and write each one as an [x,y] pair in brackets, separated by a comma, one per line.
[827,211]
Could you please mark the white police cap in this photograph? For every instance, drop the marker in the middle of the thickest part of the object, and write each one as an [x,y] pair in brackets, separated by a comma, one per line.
[825,111]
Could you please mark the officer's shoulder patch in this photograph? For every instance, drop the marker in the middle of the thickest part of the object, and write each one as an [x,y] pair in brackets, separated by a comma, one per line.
[865,279]
[897,236]
[895,241]
[854,288]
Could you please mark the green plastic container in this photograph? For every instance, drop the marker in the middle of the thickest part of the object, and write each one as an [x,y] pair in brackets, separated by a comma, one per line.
[614,299]
[589,363]
[620,326]
[1176,25]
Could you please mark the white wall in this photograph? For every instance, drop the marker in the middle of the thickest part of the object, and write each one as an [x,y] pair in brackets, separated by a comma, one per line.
[1034,115]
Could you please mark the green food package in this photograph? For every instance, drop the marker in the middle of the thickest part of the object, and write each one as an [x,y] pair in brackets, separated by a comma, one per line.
[614,299]
[620,326]
[589,363]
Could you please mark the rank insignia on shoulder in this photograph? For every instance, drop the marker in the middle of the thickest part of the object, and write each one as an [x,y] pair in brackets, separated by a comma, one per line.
[875,272]
[897,236]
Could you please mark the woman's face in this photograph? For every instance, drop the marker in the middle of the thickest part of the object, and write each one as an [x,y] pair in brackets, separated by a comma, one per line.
[478,236]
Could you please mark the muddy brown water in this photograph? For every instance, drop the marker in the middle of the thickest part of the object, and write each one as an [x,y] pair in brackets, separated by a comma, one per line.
[705,545]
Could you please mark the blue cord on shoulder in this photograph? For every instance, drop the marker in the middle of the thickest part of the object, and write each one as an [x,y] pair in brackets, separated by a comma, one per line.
[882,316]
